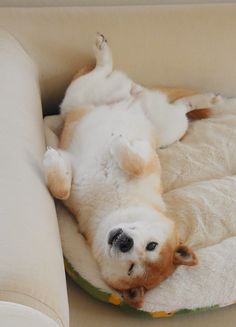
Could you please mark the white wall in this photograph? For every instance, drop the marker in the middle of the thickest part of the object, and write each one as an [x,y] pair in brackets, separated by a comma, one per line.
[54,3]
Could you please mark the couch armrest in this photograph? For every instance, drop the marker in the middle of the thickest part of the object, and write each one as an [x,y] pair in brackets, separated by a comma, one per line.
[12,314]
[32,270]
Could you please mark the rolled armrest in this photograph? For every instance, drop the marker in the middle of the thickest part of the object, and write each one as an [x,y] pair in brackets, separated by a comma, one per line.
[32,270]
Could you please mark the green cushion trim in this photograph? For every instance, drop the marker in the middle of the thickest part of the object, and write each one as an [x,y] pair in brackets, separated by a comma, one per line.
[106,297]
[95,292]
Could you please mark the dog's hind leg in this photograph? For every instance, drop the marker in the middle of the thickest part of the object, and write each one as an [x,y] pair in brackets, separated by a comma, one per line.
[103,55]
[58,173]
[199,106]
[89,87]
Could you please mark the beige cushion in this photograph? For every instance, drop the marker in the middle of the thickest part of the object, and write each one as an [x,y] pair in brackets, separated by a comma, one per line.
[32,271]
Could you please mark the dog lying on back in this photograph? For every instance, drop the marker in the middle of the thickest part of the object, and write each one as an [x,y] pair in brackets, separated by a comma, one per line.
[105,169]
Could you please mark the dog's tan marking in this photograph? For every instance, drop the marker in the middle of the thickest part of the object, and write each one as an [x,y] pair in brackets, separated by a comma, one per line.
[185,256]
[199,114]
[71,120]
[84,70]
[133,290]
[73,117]
[58,184]
[134,296]
[132,161]
[136,166]
[171,256]
[175,93]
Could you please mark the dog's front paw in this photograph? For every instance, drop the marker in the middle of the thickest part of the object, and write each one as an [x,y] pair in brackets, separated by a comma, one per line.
[57,173]
[136,158]
[52,159]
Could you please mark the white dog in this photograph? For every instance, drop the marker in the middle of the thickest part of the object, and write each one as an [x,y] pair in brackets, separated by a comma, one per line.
[107,172]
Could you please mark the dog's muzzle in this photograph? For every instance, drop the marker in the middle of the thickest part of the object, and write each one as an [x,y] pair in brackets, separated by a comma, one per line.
[120,240]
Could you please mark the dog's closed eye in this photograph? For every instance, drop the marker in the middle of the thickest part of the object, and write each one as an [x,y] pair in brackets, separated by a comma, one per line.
[131,269]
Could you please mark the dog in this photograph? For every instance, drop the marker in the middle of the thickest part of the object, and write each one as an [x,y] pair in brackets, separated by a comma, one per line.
[103,165]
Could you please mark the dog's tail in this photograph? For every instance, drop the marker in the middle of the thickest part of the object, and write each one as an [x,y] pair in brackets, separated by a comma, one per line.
[202,113]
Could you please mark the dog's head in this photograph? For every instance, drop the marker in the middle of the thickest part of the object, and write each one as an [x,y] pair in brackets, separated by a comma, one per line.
[137,248]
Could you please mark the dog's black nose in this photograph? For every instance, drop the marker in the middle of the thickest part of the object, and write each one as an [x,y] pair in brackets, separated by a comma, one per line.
[125,243]
[114,235]
[120,240]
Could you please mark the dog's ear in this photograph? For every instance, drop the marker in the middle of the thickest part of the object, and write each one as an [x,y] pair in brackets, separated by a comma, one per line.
[184,256]
[134,296]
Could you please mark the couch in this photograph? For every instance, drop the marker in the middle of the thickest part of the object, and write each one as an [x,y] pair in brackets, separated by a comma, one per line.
[41,47]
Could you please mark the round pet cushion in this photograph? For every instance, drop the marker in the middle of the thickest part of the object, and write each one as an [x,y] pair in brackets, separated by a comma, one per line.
[199,177]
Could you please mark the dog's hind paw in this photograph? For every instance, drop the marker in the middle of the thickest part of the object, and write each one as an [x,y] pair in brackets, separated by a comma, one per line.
[200,101]
[101,41]
[103,54]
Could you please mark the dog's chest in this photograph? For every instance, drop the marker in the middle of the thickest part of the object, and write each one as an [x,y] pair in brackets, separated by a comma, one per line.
[99,185]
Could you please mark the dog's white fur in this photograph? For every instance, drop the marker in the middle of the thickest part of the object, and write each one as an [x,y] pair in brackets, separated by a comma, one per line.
[109,175]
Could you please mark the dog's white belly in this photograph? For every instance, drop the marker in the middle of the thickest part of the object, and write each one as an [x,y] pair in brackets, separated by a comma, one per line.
[99,185]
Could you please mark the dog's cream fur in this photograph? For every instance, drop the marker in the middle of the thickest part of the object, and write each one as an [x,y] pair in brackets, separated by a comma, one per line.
[105,168]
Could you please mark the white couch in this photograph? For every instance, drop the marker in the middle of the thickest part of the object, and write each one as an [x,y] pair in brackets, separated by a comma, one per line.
[188,45]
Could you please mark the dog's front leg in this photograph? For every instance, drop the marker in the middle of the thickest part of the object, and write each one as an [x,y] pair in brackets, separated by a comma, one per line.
[58,173]
[136,158]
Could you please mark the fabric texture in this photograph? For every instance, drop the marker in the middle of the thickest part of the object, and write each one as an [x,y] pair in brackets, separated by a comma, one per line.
[32,271]
[200,186]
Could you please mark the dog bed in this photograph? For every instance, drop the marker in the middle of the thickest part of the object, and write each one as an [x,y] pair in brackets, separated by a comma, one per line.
[199,179]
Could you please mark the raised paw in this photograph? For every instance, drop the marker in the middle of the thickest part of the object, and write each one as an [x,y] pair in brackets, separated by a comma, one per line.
[101,41]
[103,54]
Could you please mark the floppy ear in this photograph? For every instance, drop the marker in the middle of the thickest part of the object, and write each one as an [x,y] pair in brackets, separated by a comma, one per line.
[184,256]
[134,296]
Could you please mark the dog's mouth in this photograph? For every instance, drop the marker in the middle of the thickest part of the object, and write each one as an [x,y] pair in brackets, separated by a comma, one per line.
[114,236]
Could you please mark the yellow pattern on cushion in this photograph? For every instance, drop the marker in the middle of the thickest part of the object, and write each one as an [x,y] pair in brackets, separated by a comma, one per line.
[115,299]
[161,314]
